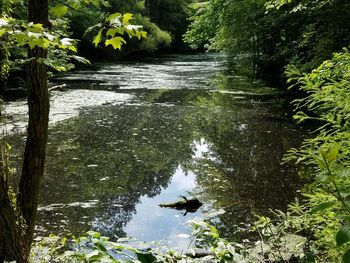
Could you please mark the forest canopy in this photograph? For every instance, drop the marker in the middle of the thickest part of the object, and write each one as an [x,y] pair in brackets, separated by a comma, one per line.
[262,37]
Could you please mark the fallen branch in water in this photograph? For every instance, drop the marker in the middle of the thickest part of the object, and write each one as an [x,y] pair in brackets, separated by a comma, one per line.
[61,87]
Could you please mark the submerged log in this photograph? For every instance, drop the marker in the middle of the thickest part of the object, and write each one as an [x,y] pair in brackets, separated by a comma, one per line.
[189,205]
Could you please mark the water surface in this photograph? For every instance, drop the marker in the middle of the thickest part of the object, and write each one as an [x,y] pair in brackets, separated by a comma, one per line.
[128,136]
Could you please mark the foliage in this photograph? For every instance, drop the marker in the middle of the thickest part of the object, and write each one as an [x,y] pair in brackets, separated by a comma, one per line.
[114,27]
[203,25]
[316,229]
[93,247]
[48,249]
[327,153]
[16,34]
[207,237]
[262,37]
[170,15]
[303,4]
[96,248]
[279,239]
[6,9]
[156,39]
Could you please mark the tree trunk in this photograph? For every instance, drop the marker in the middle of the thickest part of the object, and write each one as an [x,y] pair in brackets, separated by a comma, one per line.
[35,150]
[11,249]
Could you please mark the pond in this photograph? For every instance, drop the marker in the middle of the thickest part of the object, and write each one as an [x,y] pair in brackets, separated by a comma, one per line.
[126,137]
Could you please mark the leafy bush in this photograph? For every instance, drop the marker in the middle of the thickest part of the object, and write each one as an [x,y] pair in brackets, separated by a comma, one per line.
[156,37]
[93,247]
[327,155]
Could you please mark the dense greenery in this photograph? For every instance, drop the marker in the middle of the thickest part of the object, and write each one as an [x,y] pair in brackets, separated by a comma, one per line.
[81,21]
[93,247]
[78,25]
[261,40]
[327,154]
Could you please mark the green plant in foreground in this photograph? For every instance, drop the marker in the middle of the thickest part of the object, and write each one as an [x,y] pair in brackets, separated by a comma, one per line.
[93,247]
[328,154]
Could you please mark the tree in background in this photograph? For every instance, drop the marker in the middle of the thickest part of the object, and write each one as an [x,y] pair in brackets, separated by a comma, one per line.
[261,40]
[170,15]
[157,38]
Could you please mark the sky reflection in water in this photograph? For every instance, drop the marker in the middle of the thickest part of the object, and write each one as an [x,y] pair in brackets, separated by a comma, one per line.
[185,129]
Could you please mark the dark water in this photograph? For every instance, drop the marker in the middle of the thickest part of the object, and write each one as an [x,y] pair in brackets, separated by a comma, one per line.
[184,129]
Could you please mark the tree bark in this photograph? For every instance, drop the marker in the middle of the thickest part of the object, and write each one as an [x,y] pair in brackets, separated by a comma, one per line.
[37,131]
[11,249]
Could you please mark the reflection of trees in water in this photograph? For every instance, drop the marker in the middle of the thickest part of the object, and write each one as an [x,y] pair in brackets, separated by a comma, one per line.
[117,154]
[244,173]
[114,155]
[116,215]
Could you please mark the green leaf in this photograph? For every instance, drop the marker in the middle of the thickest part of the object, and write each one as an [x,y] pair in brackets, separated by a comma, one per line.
[21,38]
[93,234]
[59,10]
[145,257]
[126,18]
[36,28]
[138,35]
[89,29]
[114,19]
[98,37]
[333,154]
[144,34]
[322,177]
[116,42]
[343,235]
[112,31]
[330,153]
[67,42]
[37,42]
[51,63]
[346,256]
[113,16]
[214,232]
[101,247]
[2,31]
[345,172]
[92,253]
[322,206]
[96,3]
